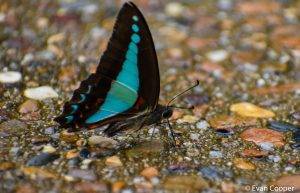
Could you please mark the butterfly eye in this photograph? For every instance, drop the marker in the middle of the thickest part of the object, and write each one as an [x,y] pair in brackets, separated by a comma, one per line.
[167,113]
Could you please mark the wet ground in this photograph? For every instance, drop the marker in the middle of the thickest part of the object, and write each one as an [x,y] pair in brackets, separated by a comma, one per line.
[242,136]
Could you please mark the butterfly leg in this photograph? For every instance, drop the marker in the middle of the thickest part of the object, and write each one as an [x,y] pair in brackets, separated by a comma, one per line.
[172,133]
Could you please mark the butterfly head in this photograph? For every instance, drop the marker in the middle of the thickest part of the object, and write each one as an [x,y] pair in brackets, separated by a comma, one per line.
[167,112]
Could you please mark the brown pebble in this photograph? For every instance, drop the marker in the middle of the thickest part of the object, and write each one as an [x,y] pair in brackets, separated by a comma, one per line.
[260,135]
[6,166]
[113,161]
[40,140]
[254,153]
[118,186]
[231,123]
[28,106]
[26,188]
[228,187]
[35,172]
[91,187]
[149,172]
[69,137]
[243,164]
[189,183]
[72,153]
[291,181]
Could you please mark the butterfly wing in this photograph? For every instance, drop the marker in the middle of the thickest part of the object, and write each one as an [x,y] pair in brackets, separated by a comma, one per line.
[126,83]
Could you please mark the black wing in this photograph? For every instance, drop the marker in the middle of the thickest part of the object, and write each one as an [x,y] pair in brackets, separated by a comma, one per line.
[96,91]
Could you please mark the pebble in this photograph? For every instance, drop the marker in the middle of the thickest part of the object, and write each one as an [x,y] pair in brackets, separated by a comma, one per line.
[6,166]
[287,181]
[231,123]
[91,187]
[282,126]
[215,154]
[251,110]
[117,186]
[188,119]
[296,115]
[113,161]
[10,77]
[84,174]
[188,183]
[274,158]
[72,153]
[149,172]
[35,172]
[217,55]
[174,9]
[243,164]
[194,136]
[202,125]
[38,140]
[261,135]
[26,188]
[69,137]
[267,146]
[228,187]
[84,153]
[49,130]
[211,173]
[48,149]
[254,153]
[40,93]
[296,136]
[28,106]
[42,159]
[100,141]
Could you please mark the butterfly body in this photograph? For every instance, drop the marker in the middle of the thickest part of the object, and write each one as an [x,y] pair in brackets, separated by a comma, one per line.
[124,91]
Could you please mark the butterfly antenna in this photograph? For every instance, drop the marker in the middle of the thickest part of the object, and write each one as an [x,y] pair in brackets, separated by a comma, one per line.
[187,108]
[176,96]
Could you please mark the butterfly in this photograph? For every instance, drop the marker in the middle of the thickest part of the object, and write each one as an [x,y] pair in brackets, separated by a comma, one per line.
[123,92]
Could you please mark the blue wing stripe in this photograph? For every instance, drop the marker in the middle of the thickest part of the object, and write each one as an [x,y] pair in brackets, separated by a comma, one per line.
[123,92]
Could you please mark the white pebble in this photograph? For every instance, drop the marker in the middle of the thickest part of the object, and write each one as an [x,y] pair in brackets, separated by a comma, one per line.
[202,125]
[194,136]
[174,9]
[217,55]
[40,93]
[274,158]
[48,149]
[10,77]
[215,154]
[267,146]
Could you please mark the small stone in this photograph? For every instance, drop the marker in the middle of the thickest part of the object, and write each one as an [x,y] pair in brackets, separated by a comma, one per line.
[49,130]
[88,175]
[149,172]
[228,187]
[26,188]
[113,161]
[100,141]
[56,38]
[194,136]
[40,93]
[274,158]
[38,140]
[267,146]
[290,182]
[28,106]
[188,183]
[10,77]
[243,164]
[202,125]
[254,153]
[251,110]
[217,55]
[48,149]
[6,166]
[91,187]
[231,123]
[42,159]
[117,186]
[215,154]
[174,9]
[72,154]
[260,135]
[35,172]
[282,126]
[69,137]
[296,116]
[188,119]
[211,173]
[84,153]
